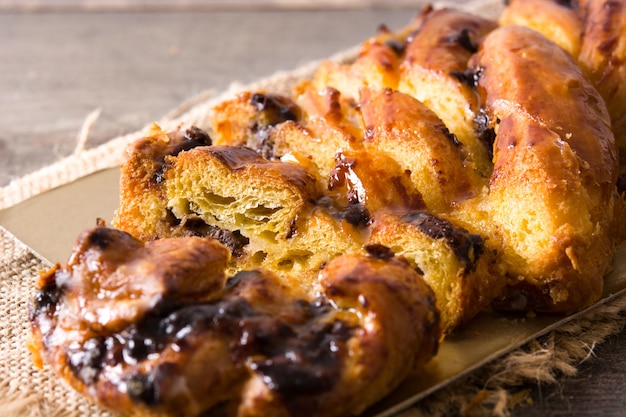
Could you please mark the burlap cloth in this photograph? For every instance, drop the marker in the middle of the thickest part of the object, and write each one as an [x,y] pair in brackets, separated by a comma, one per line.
[494,389]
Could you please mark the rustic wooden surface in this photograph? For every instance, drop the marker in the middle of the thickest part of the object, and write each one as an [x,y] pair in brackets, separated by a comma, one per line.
[57,67]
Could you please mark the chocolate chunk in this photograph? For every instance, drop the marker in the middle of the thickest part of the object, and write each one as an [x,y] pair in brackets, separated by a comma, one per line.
[396,46]
[469,76]
[463,38]
[570,4]
[621,184]
[486,134]
[86,360]
[378,251]
[233,240]
[194,136]
[45,301]
[466,246]
[357,215]
[274,109]
[142,389]
[100,238]
[262,142]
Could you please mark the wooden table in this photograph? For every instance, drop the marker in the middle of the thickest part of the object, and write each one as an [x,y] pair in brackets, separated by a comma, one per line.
[58,66]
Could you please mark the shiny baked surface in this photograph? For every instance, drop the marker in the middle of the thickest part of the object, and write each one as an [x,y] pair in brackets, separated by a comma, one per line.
[463,213]
[160,329]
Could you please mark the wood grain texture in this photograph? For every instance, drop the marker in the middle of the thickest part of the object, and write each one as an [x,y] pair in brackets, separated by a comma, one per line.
[178,5]
[56,68]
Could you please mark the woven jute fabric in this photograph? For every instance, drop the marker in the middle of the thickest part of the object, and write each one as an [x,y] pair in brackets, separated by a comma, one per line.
[493,389]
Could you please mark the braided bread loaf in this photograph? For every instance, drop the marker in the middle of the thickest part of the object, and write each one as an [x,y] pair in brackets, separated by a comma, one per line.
[457,165]
[158,329]
[453,117]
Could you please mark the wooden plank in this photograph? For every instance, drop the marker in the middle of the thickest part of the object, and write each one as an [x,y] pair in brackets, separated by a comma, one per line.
[55,69]
[207,5]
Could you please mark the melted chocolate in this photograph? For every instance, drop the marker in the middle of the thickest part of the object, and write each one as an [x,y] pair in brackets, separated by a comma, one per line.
[86,361]
[45,301]
[570,4]
[355,211]
[101,238]
[621,184]
[469,76]
[396,46]
[145,388]
[466,246]
[356,214]
[338,177]
[378,251]
[451,136]
[193,137]
[263,142]
[297,353]
[233,240]
[274,109]
[463,38]
[486,134]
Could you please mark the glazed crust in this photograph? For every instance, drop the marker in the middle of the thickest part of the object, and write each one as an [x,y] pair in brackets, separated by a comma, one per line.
[555,168]
[603,55]
[184,339]
[593,32]
[556,20]
[434,70]
[453,166]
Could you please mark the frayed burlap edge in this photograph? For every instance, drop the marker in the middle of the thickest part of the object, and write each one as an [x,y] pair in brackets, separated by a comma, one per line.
[494,389]
[498,387]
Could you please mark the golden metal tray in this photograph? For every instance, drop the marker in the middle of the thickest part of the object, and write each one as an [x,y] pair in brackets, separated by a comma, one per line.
[50,222]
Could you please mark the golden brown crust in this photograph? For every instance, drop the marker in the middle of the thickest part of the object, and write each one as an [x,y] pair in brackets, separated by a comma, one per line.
[434,70]
[603,56]
[454,165]
[411,133]
[249,343]
[551,193]
[141,193]
[593,32]
[458,265]
[556,20]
